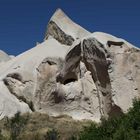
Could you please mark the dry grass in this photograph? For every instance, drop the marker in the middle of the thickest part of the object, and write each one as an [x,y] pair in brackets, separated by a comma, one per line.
[38,125]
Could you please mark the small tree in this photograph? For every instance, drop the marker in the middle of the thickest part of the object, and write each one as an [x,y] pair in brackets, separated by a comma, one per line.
[16,125]
[51,135]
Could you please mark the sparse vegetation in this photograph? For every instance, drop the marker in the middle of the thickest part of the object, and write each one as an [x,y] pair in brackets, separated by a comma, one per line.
[15,125]
[52,135]
[1,136]
[38,126]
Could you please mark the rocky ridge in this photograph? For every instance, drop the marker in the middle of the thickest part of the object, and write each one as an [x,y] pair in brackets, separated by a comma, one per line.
[74,72]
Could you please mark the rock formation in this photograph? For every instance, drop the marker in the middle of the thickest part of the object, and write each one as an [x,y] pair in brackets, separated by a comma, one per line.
[74,72]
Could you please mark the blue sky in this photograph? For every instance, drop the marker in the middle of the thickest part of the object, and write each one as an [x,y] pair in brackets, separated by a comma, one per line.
[23,22]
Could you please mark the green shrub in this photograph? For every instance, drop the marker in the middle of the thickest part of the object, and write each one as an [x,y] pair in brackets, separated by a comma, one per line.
[16,125]
[125,127]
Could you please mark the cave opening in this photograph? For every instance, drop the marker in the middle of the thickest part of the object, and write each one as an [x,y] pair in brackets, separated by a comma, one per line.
[69,80]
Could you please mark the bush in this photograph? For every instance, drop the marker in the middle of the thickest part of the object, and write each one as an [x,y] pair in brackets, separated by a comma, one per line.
[51,135]
[125,127]
[16,125]
[1,136]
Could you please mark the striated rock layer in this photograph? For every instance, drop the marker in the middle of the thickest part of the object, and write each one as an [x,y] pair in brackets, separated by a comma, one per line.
[74,72]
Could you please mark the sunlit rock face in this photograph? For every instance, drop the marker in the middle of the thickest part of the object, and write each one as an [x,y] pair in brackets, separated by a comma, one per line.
[74,72]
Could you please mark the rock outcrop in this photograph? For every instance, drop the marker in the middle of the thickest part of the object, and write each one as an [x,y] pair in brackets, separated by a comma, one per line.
[74,72]
[63,29]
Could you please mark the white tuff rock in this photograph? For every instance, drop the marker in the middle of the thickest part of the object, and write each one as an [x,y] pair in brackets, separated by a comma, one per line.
[84,75]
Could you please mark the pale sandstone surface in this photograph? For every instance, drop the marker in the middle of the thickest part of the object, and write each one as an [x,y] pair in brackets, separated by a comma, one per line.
[84,75]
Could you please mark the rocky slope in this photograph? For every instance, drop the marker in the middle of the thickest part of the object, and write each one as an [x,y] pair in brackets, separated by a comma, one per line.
[74,72]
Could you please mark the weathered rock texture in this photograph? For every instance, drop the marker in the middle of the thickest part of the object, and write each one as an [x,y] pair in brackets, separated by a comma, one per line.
[58,34]
[64,29]
[73,72]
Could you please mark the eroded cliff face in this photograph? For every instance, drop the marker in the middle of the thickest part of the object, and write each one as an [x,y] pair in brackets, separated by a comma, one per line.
[73,72]
[124,74]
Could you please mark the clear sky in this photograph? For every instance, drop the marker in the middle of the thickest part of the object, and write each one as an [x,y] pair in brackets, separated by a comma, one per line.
[23,22]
